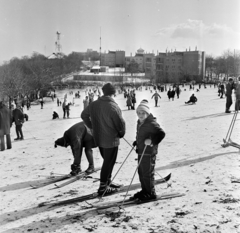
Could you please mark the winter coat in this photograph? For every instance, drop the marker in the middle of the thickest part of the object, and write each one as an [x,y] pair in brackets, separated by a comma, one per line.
[129,101]
[193,98]
[105,118]
[149,129]
[134,99]
[156,96]
[229,88]
[5,120]
[172,93]
[169,94]
[18,116]
[78,135]
[237,91]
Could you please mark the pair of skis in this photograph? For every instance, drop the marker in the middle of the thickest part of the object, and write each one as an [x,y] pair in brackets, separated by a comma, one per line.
[70,179]
[96,195]
[129,202]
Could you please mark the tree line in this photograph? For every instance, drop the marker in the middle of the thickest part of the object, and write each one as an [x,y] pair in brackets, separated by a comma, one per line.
[227,65]
[29,77]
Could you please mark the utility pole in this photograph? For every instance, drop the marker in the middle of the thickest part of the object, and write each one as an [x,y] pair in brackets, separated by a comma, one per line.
[100,47]
[58,46]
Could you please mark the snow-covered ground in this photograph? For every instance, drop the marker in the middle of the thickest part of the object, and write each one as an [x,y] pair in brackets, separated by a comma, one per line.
[201,169]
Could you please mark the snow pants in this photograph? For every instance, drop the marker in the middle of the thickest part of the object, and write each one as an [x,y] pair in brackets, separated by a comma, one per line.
[19,131]
[146,172]
[77,149]
[109,156]
[228,101]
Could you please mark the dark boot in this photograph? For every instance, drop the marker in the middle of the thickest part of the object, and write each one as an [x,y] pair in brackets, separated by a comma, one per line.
[2,143]
[9,143]
[75,169]
[89,155]
[105,189]
[90,169]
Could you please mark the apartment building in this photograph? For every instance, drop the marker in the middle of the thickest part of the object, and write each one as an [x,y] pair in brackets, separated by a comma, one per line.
[180,66]
[146,62]
[113,59]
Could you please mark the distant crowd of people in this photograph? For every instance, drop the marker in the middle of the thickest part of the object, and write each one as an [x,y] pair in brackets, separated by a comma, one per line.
[103,125]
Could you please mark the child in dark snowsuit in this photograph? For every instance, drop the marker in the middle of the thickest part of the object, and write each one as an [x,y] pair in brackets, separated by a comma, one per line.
[149,135]
[169,93]
[55,115]
[192,99]
[78,136]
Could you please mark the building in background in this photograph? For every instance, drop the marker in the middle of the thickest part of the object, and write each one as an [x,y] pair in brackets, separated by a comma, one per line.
[174,67]
[113,59]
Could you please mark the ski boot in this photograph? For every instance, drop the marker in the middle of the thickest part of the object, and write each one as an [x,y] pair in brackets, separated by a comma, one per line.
[75,169]
[105,189]
[90,169]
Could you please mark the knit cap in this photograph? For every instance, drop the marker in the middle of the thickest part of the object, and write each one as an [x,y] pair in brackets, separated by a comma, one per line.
[108,89]
[144,106]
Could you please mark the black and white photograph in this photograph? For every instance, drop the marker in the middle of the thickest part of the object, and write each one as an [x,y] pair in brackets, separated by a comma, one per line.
[120,116]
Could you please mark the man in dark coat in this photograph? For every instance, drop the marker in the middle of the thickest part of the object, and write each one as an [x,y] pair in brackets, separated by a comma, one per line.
[5,125]
[18,118]
[229,88]
[78,136]
[105,118]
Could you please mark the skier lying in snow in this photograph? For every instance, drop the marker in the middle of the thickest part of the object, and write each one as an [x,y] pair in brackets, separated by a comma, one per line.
[78,136]
[193,99]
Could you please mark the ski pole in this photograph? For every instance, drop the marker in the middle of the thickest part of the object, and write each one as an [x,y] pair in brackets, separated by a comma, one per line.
[231,126]
[168,184]
[118,170]
[29,132]
[127,142]
[134,175]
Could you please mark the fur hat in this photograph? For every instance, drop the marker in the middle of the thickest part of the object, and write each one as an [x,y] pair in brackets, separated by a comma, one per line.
[144,106]
[108,89]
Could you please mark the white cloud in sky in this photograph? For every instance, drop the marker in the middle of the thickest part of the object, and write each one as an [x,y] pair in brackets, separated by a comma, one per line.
[212,38]
[195,29]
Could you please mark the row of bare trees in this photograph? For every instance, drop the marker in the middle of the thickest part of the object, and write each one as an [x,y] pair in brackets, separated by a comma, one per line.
[25,77]
[226,65]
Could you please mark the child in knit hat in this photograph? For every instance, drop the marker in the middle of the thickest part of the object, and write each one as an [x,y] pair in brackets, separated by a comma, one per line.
[149,135]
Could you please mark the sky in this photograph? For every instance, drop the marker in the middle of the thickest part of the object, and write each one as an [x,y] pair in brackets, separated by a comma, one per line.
[28,26]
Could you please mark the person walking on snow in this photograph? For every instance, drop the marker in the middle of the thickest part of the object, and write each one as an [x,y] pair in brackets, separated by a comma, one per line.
[229,88]
[18,118]
[41,102]
[149,135]
[105,118]
[78,136]
[156,96]
[129,101]
[85,102]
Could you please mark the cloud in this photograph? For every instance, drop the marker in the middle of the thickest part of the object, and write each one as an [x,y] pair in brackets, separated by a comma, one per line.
[195,29]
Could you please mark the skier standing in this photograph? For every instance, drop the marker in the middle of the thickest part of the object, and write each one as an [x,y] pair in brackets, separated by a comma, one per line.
[105,118]
[156,96]
[149,135]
